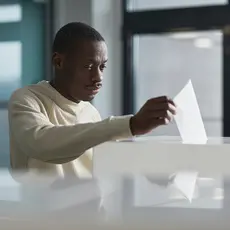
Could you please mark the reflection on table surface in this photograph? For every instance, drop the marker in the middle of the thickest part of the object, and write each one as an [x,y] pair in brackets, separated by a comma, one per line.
[177,140]
[208,193]
[147,190]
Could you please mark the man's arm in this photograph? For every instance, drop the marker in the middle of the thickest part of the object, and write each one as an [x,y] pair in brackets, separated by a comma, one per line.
[40,139]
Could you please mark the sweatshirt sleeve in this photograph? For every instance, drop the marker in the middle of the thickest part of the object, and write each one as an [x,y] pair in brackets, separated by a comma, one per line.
[38,138]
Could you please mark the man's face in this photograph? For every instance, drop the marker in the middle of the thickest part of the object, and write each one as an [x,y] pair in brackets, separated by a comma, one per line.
[82,71]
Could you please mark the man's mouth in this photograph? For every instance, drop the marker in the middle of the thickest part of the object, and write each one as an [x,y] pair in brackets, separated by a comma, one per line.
[94,88]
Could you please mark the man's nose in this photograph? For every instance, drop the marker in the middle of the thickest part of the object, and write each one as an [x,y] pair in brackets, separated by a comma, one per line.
[97,76]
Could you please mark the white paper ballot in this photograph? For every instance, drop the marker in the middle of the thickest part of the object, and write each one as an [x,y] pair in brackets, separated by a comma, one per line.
[191,127]
[188,118]
[185,183]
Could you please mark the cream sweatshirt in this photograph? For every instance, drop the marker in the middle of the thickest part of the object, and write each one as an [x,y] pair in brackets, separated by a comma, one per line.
[49,133]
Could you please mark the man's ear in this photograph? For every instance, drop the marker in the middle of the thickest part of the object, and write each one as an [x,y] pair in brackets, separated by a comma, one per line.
[58,60]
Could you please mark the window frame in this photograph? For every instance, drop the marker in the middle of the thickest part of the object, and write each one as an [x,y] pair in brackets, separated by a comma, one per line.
[198,18]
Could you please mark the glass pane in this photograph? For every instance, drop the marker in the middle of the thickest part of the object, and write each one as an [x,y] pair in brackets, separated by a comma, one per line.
[4,139]
[137,5]
[11,68]
[10,13]
[164,64]
[19,66]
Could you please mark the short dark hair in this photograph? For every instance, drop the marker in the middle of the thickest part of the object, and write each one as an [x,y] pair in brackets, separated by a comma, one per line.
[66,38]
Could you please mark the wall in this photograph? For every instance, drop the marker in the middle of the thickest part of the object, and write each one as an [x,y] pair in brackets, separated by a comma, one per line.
[66,11]
[105,16]
[107,19]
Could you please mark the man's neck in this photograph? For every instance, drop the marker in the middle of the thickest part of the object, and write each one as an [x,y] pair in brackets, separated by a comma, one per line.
[60,87]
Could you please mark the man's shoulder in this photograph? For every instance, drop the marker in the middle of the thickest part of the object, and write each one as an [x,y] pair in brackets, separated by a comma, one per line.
[20,93]
[23,95]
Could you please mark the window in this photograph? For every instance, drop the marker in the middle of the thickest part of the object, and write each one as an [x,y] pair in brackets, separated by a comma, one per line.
[11,68]
[166,43]
[10,13]
[24,41]
[139,5]
[164,63]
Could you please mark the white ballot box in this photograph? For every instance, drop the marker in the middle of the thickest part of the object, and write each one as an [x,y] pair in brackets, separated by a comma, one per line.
[161,170]
[160,155]
[141,183]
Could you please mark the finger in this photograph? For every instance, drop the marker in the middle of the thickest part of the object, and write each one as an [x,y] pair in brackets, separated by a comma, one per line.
[172,109]
[158,100]
[172,102]
[164,121]
[163,107]
[167,115]
[162,114]
[160,121]
[161,99]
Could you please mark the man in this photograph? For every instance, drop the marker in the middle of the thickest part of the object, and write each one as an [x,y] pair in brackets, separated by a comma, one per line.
[53,126]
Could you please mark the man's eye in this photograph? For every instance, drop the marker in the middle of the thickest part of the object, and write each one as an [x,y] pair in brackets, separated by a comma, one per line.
[103,67]
[89,67]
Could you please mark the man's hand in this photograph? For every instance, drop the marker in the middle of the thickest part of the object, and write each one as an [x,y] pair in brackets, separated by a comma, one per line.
[155,112]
